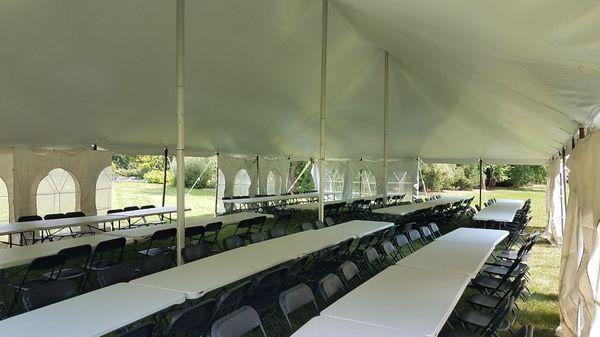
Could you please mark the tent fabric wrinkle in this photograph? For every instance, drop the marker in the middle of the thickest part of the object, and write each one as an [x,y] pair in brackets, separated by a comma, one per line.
[468,79]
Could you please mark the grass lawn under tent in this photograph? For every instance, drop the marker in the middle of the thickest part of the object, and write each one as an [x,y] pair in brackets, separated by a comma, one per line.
[541,310]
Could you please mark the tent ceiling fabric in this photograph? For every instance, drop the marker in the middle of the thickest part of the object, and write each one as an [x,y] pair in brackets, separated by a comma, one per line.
[501,81]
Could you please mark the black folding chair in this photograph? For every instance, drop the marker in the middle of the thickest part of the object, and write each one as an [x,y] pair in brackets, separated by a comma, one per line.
[116,274]
[237,324]
[75,257]
[107,254]
[193,320]
[233,242]
[194,252]
[295,298]
[330,287]
[48,293]
[144,330]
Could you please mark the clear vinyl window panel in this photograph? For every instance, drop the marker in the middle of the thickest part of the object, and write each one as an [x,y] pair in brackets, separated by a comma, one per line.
[333,184]
[57,193]
[241,184]
[399,182]
[274,183]
[4,207]
[104,191]
[364,184]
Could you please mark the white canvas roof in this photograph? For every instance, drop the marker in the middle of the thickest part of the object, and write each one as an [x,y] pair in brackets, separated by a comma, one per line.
[504,81]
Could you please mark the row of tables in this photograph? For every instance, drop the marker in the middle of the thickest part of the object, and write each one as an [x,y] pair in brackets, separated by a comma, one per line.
[413,207]
[16,256]
[502,210]
[413,298]
[312,206]
[99,312]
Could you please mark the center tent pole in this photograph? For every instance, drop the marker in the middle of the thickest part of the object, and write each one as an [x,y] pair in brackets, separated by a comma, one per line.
[480,181]
[322,111]
[385,125]
[164,191]
[180,91]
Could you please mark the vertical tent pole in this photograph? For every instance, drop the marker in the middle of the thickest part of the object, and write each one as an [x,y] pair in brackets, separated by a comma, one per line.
[480,181]
[416,194]
[563,183]
[258,178]
[217,185]
[385,125]
[165,154]
[180,129]
[322,110]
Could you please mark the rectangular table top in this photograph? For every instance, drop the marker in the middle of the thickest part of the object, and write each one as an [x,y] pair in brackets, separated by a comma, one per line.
[321,326]
[17,256]
[253,200]
[144,232]
[450,256]
[498,212]
[414,301]
[196,278]
[410,208]
[311,206]
[92,314]
[475,236]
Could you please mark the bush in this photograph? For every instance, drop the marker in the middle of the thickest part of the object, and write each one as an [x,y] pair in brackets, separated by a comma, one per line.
[525,175]
[438,176]
[156,177]
[194,168]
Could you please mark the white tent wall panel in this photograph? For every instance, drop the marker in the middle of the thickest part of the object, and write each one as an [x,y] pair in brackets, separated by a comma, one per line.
[231,165]
[554,228]
[6,174]
[279,166]
[28,167]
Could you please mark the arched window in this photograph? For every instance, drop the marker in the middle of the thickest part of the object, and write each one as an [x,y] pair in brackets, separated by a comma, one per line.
[220,192]
[104,190]
[58,192]
[274,183]
[334,182]
[241,184]
[4,208]
[364,184]
[399,182]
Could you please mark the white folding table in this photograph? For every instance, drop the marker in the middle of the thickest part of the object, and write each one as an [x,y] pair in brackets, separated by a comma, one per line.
[410,208]
[144,232]
[498,212]
[450,256]
[255,200]
[414,301]
[321,326]
[92,314]
[475,236]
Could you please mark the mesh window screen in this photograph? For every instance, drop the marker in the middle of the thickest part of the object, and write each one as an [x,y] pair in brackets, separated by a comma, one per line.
[57,193]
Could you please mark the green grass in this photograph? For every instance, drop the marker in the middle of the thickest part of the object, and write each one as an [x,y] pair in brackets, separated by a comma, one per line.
[541,310]
[201,201]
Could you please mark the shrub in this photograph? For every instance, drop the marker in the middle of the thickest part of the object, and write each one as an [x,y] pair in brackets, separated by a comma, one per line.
[203,168]
[156,177]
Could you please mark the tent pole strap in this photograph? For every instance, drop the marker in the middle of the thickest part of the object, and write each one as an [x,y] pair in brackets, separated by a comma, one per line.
[385,124]
[480,181]
[322,111]
[180,90]
[164,194]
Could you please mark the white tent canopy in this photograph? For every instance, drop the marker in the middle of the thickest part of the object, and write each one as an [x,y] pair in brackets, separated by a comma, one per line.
[513,89]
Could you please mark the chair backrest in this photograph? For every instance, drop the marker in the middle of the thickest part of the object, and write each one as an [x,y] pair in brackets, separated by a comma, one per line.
[147,207]
[237,324]
[400,240]
[231,298]
[213,227]
[425,231]
[233,242]
[269,281]
[45,263]
[48,293]
[434,227]
[131,208]
[116,274]
[27,218]
[371,255]
[388,248]
[348,271]
[195,319]
[194,252]
[329,221]
[76,214]
[195,232]
[295,298]
[77,253]
[164,234]
[319,224]
[112,211]
[307,226]
[144,330]
[414,235]
[258,237]
[155,263]
[276,233]
[110,250]
[244,226]
[54,216]
[330,286]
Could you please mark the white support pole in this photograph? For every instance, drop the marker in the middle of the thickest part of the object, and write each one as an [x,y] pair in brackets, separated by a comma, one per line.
[322,111]
[385,124]
[217,186]
[180,129]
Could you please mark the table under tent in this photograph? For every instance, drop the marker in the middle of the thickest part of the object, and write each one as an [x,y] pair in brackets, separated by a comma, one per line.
[375,86]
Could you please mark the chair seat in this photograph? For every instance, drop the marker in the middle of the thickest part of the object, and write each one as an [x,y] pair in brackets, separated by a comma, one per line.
[155,251]
[503,263]
[497,270]
[476,318]
[489,283]
[29,284]
[457,333]
[100,265]
[484,300]
[66,274]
